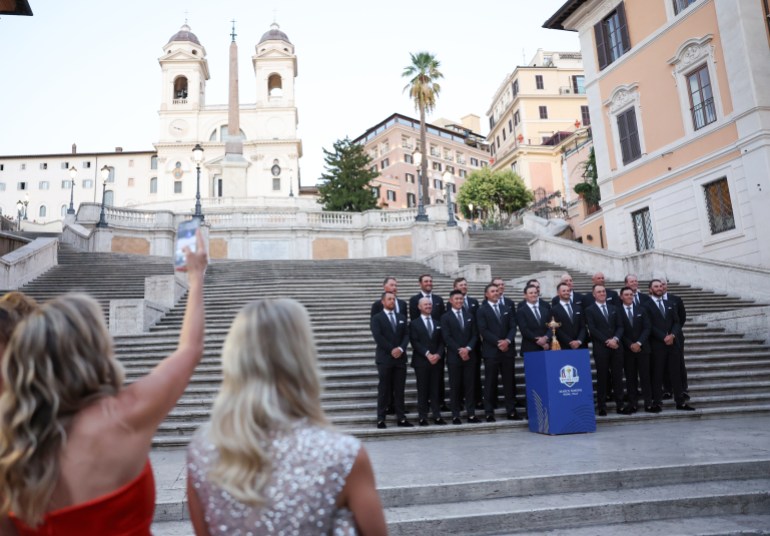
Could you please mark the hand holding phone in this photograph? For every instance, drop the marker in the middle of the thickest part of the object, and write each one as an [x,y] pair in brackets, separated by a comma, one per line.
[185,238]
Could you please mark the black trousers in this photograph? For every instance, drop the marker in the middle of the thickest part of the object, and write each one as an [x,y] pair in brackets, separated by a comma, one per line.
[682,368]
[604,358]
[392,381]
[461,386]
[666,360]
[428,389]
[494,367]
[637,369]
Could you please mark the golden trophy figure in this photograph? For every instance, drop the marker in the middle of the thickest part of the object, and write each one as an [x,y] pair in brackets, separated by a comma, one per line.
[553,324]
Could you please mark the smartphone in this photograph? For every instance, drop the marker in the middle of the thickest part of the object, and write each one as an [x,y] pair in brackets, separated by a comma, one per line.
[185,237]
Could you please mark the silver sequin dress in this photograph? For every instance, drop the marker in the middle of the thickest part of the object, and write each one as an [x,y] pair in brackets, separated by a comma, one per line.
[310,466]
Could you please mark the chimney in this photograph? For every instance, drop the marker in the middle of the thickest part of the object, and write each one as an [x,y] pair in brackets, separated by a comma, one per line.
[74,148]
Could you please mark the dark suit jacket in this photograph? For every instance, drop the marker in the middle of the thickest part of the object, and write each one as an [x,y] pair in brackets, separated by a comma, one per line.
[438,307]
[455,337]
[422,343]
[402,308]
[613,298]
[602,329]
[660,325]
[639,331]
[505,300]
[530,328]
[492,330]
[387,339]
[572,329]
[643,298]
[473,305]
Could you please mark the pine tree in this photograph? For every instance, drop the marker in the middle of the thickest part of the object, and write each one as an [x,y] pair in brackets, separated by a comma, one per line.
[346,183]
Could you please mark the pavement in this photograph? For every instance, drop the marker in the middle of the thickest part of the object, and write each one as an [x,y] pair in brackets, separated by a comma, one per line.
[504,453]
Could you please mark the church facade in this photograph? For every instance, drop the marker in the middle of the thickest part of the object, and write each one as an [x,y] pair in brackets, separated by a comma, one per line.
[251,151]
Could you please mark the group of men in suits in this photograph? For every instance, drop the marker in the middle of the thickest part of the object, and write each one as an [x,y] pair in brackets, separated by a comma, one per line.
[632,334]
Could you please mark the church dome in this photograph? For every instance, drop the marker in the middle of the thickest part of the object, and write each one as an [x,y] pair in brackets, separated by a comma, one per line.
[184,34]
[274,34]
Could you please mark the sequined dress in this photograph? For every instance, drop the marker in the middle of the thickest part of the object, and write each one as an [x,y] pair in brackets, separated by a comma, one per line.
[310,466]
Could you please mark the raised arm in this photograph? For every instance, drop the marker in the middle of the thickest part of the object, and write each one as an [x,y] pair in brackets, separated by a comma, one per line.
[145,403]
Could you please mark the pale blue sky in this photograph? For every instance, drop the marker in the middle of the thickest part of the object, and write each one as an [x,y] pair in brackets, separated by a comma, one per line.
[86,71]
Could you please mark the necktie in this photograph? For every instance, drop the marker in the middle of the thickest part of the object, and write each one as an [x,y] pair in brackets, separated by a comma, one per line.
[392,320]
[497,311]
[569,310]
[460,318]
[604,312]
[467,305]
[630,316]
[430,326]
[660,306]
[536,311]
[636,298]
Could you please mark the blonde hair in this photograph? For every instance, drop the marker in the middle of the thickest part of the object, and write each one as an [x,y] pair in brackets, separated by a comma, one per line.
[271,380]
[23,305]
[58,361]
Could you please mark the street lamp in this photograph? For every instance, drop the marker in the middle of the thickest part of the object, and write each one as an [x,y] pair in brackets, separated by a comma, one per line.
[198,158]
[73,176]
[449,180]
[421,215]
[105,173]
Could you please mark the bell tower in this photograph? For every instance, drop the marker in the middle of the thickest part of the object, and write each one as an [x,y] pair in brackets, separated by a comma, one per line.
[185,71]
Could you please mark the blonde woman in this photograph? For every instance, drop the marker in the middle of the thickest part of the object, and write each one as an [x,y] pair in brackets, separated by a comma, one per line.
[269,461]
[73,441]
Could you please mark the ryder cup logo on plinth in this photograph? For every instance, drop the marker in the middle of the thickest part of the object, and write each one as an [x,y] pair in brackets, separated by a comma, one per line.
[568,375]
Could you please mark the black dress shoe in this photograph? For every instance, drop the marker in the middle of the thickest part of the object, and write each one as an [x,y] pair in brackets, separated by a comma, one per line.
[403,423]
[686,395]
[444,407]
[656,409]
[491,418]
[479,405]
[625,411]
[457,420]
[649,409]
[602,413]
[685,407]
[423,422]
[473,419]
[381,425]
[439,421]
[667,396]
[514,417]
[390,411]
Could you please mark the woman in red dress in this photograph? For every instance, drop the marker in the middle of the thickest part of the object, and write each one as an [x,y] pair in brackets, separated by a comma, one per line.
[74,442]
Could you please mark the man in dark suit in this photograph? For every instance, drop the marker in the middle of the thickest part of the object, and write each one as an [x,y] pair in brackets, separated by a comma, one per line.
[427,361]
[678,304]
[612,297]
[606,329]
[390,284]
[503,299]
[572,333]
[532,317]
[632,282]
[636,351]
[471,305]
[575,298]
[459,331]
[391,335]
[426,291]
[535,283]
[497,328]
[666,355]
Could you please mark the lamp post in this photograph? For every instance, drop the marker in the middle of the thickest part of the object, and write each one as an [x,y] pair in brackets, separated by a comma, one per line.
[449,180]
[73,176]
[421,215]
[26,206]
[198,157]
[105,173]
[19,212]
[291,186]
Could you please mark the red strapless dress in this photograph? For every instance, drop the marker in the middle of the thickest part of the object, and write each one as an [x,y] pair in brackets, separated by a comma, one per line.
[127,511]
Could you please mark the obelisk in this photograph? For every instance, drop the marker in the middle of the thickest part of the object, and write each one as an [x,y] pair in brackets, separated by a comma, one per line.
[234,165]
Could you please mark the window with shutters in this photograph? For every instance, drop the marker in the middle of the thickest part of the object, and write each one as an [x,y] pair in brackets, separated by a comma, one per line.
[681,5]
[585,116]
[719,206]
[543,112]
[701,98]
[611,34]
[628,136]
[539,81]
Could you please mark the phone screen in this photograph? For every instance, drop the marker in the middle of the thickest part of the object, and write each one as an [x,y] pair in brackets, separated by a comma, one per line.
[185,237]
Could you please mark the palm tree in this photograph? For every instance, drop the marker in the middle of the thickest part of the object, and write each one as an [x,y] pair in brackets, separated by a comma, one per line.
[423,88]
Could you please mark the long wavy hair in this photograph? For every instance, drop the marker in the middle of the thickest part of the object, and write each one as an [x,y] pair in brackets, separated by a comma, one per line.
[271,380]
[59,360]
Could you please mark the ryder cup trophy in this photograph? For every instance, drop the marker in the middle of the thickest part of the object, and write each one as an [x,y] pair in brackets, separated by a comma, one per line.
[553,324]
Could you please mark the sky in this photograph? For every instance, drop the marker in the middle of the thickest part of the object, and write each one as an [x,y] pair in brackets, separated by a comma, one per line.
[86,71]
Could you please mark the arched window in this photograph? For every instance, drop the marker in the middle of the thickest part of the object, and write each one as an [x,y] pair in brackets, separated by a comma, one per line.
[154,162]
[109,198]
[180,87]
[63,210]
[275,85]
[43,211]
[221,134]
[154,185]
